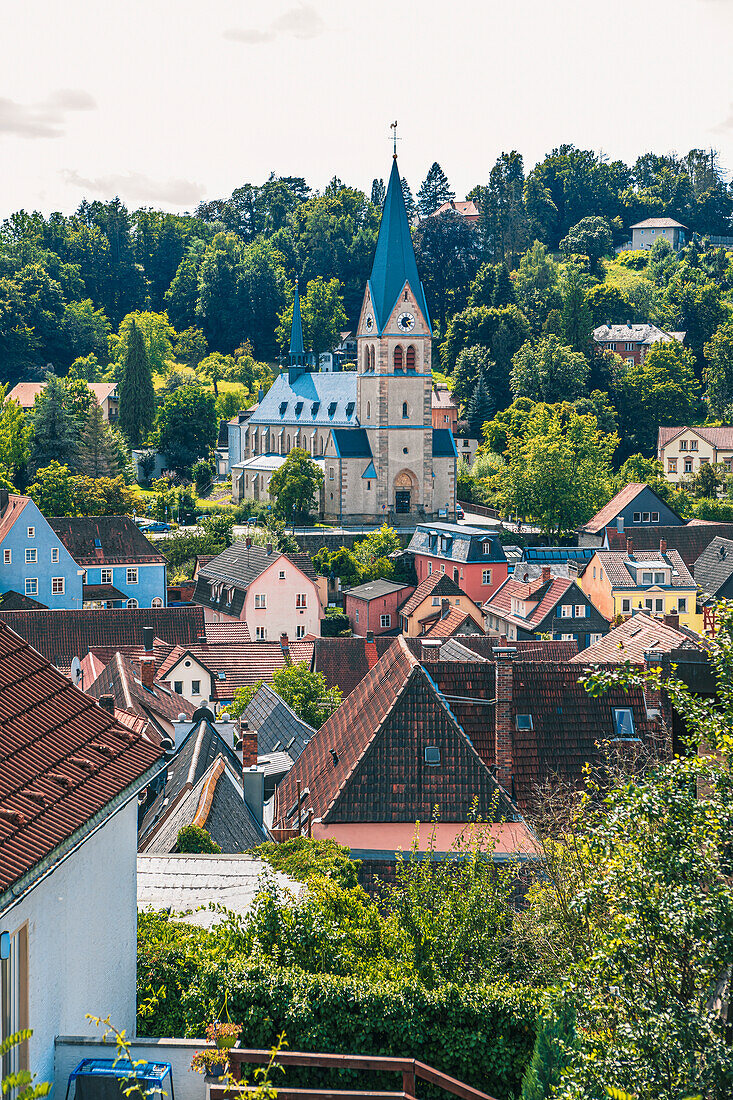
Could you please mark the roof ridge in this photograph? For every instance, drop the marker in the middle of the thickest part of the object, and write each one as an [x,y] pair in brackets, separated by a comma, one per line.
[207,794]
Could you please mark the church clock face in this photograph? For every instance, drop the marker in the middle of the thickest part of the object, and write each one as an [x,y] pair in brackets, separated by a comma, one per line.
[405,322]
[369,323]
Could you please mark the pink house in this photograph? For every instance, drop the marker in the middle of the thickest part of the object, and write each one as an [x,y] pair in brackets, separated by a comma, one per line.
[273,593]
[473,557]
[374,606]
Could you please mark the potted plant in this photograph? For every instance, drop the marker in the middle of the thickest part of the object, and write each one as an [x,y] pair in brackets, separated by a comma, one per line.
[224,1035]
[212,1063]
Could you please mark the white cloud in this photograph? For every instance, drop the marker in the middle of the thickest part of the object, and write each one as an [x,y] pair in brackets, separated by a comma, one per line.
[300,22]
[46,118]
[138,188]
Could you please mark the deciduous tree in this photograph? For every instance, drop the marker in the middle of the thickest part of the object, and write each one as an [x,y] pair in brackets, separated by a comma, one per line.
[295,486]
[548,371]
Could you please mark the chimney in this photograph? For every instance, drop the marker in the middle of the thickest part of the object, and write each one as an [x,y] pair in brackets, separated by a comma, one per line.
[181,728]
[248,542]
[253,788]
[248,745]
[431,649]
[662,547]
[107,702]
[269,548]
[285,646]
[504,717]
[629,546]
[546,574]
[628,324]
[4,500]
[148,635]
[573,570]
[673,620]
[370,636]
[444,608]
[147,671]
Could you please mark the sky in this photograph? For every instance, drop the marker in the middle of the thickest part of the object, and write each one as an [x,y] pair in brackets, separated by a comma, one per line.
[167,102]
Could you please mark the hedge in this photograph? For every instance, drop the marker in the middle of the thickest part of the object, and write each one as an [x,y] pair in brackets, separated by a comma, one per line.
[481,1035]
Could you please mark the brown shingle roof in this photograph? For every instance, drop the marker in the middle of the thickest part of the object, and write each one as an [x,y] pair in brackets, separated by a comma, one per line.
[721,437]
[67,634]
[345,661]
[64,758]
[616,504]
[122,541]
[242,663]
[635,637]
[437,584]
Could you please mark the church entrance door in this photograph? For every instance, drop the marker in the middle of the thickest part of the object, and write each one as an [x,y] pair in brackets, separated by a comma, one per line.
[402,500]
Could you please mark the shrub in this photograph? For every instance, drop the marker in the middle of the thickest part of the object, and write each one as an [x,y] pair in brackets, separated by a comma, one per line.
[334,624]
[303,857]
[192,838]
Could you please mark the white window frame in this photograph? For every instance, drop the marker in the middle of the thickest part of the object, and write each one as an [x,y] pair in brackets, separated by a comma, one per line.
[581,610]
[31,555]
[156,602]
[566,611]
[567,637]
[132,602]
[260,601]
[195,687]
[105,576]
[593,638]
[14,985]
[31,532]
[260,633]
[647,578]
[31,586]
[682,605]
[626,607]
[301,600]
[655,515]
[58,586]
[132,575]
[7,557]
[54,555]
[385,621]
[659,610]
[300,630]
[486,576]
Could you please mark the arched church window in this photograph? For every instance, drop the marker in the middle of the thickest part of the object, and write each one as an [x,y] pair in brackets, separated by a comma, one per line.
[288,444]
[405,411]
[373,357]
[398,358]
[369,409]
[366,357]
[410,358]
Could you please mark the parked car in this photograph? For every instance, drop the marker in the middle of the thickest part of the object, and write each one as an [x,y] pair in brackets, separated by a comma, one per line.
[156,527]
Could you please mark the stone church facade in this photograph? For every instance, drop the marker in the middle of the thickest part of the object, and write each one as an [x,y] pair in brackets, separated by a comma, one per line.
[371,430]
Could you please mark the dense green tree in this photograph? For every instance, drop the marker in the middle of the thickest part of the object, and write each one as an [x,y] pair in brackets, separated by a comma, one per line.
[508,425]
[481,290]
[377,546]
[15,438]
[262,294]
[55,428]
[410,204]
[662,389]
[470,365]
[548,371]
[446,249]
[480,408]
[504,289]
[305,691]
[536,284]
[591,237]
[504,223]
[157,334]
[379,192]
[191,347]
[53,490]
[181,297]
[719,369]
[576,316]
[97,454]
[480,325]
[553,1050]
[135,390]
[295,486]
[608,305]
[186,426]
[434,191]
[698,309]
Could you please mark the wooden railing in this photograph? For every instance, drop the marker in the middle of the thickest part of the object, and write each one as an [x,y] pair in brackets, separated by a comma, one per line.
[410,1068]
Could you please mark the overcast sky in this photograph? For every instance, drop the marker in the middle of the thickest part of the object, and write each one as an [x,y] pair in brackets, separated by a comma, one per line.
[166,102]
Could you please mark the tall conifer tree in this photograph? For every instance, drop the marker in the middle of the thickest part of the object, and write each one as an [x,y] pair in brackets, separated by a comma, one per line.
[97,455]
[434,191]
[480,408]
[136,393]
[54,427]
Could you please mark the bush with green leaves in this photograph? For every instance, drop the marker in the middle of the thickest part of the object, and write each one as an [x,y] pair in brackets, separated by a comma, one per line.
[302,858]
[192,838]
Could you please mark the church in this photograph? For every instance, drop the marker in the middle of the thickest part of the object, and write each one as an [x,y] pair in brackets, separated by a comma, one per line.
[370,430]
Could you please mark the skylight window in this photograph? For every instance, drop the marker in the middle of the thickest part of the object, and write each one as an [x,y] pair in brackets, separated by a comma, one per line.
[523,722]
[623,723]
[432,755]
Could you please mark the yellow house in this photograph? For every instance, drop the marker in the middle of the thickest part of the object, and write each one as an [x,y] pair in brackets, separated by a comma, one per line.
[655,581]
[684,450]
[426,605]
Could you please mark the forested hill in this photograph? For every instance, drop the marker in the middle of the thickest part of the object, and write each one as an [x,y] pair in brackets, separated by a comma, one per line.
[66,283]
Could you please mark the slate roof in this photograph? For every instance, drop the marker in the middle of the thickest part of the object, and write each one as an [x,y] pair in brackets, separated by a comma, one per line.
[101,592]
[366,763]
[345,662]
[443,443]
[352,443]
[242,663]
[720,437]
[623,498]
[465,543]
[312,388]
[435,584]
[201,747]
[394,258]
[278,727]
[215,803]
[714,567]
[530,649]
[61,635]
[689,540]
[615,564]
[16,601]
[638,334]
[372,590]
[237,567]
[121,679]
[122,541]
[633,638]
[64,759]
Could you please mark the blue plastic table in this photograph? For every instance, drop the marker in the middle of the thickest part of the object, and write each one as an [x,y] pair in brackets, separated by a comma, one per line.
[101,1079]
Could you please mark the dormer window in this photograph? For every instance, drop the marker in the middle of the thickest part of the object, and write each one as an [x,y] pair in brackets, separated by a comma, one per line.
[298,408]
[486,546]
[315,407]
[283,407]
[332,408]
[350,408]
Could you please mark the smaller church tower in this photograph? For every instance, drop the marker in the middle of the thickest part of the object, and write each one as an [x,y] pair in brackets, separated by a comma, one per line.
[296,355]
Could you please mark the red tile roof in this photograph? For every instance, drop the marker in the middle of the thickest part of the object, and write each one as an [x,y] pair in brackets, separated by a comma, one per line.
[690,541]
[453,622]
[616,504]
[345,662]
[64,758]
[25,393]
[720,437]
[619,575]
[635,637]
[14,507]
[427,587]
[243,663]
[121,679]
[546,593]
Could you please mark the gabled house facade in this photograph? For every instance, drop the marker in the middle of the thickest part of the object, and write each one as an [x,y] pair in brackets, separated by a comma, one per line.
[471,556]
[436,594]
[34,561]
[374,606]
[553,606]
[634,506]
[121,568]
[683,450]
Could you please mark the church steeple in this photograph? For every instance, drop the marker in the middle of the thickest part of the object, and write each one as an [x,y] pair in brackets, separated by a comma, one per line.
[297,350]
[394,259]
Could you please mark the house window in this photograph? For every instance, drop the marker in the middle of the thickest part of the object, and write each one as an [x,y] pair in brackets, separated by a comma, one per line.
[405,411]
[54,555]
[31,586]
[671,465]
[132,576]
[486,576]
[31,532]
[683,444]
[655,517]
[14,1000]
[31,555]
[693,444]
[659,578]
[649,604]
[626,607]
[260,600]
[195,687]
[566,611]
[659,605]
[567,637]
[623,722]
[57,586]
[105,576]
[301,599]
[282,574]
[260,633]
[688,465]
[178,687]
[612,347]
[356,616]
[629,347]
[580,610]
[157,602]
[8,557]
[645,517]
[436,601]
[646,578]
[442,570]
[637,517]
[430,568]
[593,638]
[432,755]
[369,485]
[486,547]
[132,603]
[300,630]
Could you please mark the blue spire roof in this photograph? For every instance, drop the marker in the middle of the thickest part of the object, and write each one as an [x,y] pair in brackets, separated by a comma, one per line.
[394,260]
[296,333]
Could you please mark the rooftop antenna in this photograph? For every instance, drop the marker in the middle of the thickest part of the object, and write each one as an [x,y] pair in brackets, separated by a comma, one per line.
[394,138]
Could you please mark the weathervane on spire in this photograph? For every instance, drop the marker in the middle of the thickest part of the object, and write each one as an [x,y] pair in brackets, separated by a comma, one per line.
[395,139]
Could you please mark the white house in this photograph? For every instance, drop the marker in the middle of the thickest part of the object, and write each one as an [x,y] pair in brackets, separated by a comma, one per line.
[68,849]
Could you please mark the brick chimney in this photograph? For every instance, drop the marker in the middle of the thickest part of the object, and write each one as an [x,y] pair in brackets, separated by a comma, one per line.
[248,542]
[269,548]
[629,546]
[504,717]
[248,741]
[147,671]
[546,574]
[444,609]
[662,547]
[370,649]
[285,646]
[148,636]
[107,702]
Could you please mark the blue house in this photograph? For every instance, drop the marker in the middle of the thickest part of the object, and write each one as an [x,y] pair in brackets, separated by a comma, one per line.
[634,507]
[121,568]
[34,562]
